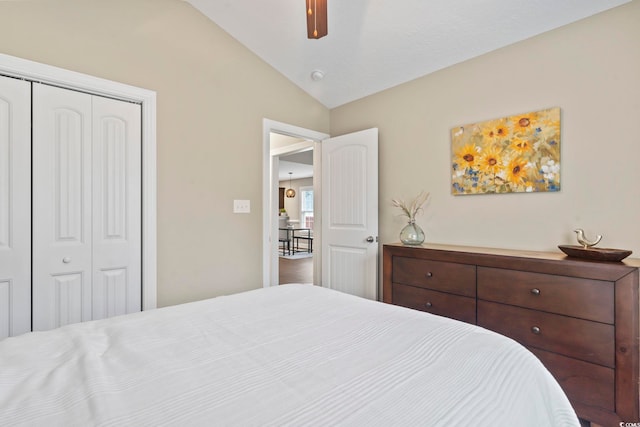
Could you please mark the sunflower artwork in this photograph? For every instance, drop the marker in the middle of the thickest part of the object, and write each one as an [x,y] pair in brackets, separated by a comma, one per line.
[516,154]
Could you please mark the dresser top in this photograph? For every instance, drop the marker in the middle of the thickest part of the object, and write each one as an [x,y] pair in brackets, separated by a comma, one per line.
[557,256]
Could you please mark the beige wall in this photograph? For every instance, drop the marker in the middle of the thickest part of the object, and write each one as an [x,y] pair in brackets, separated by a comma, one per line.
[590,69]
[212,96]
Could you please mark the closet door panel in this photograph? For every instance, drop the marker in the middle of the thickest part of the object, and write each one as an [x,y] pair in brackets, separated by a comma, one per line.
[15,207]
[117,183]
[68,308]
[5,308]
[62,238]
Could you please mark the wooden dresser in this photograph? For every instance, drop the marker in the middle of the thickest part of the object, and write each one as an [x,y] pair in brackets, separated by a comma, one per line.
[579,317]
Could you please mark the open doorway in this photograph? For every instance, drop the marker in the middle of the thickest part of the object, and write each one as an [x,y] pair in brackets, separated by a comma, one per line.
[297,141]
[296,214]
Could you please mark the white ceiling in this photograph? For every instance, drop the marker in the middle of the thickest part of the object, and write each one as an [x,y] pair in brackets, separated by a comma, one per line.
[299,164]
[373,45]
[298,171]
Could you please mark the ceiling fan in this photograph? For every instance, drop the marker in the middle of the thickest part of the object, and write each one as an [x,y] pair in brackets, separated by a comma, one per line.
[316,19]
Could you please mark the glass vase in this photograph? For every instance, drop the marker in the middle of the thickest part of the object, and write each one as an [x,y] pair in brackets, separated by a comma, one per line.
[412,234]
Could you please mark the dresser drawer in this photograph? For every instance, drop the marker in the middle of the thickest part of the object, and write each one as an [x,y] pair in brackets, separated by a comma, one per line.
[582,382]
[442,276]
[582,339]
[440,303]
[583,298]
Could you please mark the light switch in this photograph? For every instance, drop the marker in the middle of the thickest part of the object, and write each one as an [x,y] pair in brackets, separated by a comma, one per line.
[241,206]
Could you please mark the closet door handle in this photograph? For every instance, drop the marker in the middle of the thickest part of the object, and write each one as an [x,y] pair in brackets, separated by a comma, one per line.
[66,260]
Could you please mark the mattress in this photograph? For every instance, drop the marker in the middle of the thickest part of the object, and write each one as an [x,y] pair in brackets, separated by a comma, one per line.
[293,355]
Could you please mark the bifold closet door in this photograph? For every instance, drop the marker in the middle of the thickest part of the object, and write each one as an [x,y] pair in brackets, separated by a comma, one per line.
[15,207]
[86,207]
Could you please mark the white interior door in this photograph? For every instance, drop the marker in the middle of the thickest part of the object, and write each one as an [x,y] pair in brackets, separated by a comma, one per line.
[15,207]
[350,213]
[86,207]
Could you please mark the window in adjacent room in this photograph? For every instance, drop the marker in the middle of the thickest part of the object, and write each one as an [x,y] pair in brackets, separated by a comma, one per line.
[306,207]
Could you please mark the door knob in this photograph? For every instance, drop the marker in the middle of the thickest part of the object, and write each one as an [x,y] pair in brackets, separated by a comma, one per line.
[370,239]
[66,260]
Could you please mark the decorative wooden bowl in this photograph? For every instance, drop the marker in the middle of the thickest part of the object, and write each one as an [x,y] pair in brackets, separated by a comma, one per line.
[599,254]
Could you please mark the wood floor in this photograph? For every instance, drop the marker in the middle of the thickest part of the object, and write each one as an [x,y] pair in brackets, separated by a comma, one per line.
[296,270]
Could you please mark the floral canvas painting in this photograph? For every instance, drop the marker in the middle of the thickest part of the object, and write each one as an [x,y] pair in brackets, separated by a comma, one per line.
[515,154]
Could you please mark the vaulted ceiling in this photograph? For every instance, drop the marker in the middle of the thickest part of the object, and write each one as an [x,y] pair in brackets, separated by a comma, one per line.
[373,45]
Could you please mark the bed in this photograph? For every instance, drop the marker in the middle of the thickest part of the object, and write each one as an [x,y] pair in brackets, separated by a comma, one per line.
[289,355]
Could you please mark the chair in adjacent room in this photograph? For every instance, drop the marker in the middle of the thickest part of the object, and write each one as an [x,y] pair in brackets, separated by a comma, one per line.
[284,235]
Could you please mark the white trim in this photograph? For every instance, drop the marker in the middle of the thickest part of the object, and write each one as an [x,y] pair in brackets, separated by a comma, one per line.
[29,70]
[269,221]
[298,147]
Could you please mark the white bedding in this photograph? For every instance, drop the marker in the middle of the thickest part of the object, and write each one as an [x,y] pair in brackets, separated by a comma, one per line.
[289,355]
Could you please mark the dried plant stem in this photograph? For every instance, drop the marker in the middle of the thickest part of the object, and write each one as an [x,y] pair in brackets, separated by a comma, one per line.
[410,210]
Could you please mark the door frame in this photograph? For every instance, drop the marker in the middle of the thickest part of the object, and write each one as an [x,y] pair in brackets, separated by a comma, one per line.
[269,194]
[34,71]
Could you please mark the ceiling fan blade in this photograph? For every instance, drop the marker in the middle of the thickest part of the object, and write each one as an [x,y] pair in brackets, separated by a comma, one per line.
[316,19]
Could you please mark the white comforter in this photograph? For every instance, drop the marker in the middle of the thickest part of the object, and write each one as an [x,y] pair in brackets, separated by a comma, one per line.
[290,355]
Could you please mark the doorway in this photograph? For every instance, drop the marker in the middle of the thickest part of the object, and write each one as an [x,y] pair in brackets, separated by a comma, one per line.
[296,213]
[346,261]
[300,140]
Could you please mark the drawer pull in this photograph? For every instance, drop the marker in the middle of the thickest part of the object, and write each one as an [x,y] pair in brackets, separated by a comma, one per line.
[535,330]
[428,305]
[535,291]
[429,274]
